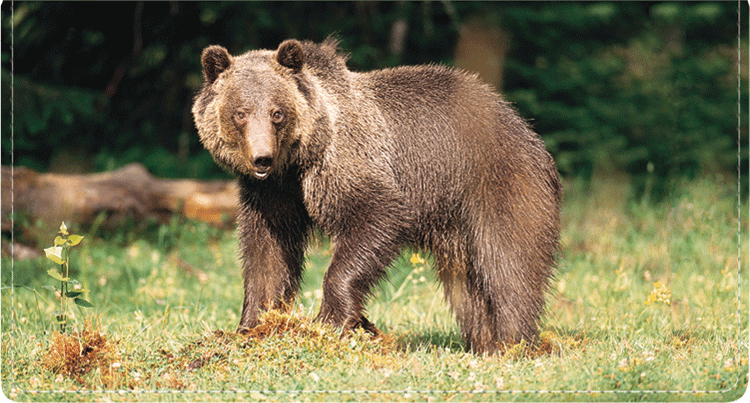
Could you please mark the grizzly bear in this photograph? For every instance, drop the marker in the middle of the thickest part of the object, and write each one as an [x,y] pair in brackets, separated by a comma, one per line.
[426,156]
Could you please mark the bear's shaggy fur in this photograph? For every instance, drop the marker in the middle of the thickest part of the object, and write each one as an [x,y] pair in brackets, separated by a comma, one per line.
[426,156]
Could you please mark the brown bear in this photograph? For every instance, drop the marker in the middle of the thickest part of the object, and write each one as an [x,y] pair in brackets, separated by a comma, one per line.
[426,156]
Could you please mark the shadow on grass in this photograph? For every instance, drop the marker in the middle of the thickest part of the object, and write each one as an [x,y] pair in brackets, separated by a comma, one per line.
[550,341]
[430,340]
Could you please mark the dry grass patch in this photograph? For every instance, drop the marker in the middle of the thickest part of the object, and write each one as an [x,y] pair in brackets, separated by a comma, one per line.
[289,334]
[79,353]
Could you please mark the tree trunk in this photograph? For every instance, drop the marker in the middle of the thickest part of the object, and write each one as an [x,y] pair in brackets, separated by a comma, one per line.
[482,48]
[129,191]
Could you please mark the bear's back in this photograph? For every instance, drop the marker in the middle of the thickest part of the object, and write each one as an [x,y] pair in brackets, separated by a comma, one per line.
[449,116]
[434,100]
[454,136]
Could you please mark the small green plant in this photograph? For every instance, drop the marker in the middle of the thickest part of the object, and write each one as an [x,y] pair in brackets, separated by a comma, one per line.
[69,288]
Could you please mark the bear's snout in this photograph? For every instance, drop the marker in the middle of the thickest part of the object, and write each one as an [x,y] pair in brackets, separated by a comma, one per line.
[262,164]
[260,148]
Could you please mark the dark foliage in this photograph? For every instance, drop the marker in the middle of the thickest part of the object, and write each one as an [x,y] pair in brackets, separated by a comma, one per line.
[649,88]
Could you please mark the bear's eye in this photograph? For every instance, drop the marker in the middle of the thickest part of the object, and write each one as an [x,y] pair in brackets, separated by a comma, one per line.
[277,116]
[240,117]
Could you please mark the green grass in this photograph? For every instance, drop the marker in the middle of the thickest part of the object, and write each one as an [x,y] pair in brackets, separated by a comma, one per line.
[167,301]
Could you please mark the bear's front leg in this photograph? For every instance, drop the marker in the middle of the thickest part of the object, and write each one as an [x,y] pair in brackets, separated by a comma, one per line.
[273,227]
[359,261]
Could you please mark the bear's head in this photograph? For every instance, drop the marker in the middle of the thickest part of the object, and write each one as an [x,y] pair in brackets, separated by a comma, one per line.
[249,108]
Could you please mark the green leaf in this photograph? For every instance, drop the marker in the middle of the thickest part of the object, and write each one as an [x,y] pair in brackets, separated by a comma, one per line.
[59,241]
[54,254]
[75,239]
[75,289]
[49,287]
[57,276]
[83,303]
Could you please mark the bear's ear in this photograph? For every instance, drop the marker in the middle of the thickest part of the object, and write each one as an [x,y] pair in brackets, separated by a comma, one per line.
[291,55]
[215,59]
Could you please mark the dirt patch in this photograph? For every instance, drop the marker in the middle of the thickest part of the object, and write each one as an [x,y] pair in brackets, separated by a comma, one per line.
[79,353]
[290,331]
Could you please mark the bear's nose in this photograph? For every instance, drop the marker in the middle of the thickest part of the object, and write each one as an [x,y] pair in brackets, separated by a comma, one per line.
[263,163]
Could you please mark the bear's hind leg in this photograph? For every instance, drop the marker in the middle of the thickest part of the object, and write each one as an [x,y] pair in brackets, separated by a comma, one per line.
[496,300]
[472,311]
[508,285]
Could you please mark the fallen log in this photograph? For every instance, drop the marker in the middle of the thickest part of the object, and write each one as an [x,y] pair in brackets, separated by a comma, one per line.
[127,192]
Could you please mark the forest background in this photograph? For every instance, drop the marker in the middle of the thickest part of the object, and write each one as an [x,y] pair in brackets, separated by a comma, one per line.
[648,89]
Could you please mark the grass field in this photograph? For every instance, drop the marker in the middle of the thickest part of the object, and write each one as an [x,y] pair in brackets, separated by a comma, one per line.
[644,306]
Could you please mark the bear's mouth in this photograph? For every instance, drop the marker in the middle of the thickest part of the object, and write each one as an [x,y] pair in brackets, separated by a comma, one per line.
[260,174]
